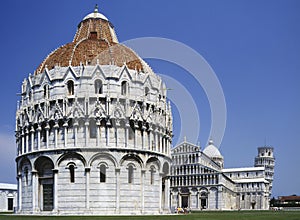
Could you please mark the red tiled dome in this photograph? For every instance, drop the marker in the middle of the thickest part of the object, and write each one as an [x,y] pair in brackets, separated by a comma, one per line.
[94,42]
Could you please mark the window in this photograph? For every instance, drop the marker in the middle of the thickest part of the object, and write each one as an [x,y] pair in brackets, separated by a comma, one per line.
[130,133]
[147,92]
[72,173]
[152,171]
[26,176]
[243,197]
[98,86]
[46,91]
[124,88]
[102,173]
[30,95]
[93,35]
[70,85]
[93,129]
[130,174]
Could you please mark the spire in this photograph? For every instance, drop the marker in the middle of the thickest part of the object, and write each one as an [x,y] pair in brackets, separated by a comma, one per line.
[96,8]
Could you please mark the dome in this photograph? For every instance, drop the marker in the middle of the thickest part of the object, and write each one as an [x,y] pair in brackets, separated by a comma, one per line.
[212,151]
[95,41]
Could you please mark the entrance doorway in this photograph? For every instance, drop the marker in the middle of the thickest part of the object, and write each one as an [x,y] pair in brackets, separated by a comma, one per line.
[10,204]
[47,197]
[45,166]
[203,200]
[203,203]
[184,201]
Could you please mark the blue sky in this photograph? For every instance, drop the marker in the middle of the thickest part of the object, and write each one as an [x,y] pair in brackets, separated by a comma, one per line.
[253,47]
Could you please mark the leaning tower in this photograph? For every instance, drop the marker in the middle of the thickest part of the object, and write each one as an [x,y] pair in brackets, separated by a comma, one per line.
[93,130]
[265,158]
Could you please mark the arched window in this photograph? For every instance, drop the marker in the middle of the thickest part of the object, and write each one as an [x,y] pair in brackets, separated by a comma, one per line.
[72,173]
[124,88]
[130,174]
[152,171]
[30,95]
[147,92]
[98,86]
[93,129]
[70,85]
[26,176]
[102,173]
[46,91]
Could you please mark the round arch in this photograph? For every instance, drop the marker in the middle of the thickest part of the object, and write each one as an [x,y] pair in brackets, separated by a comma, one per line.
[103,155]
[70,155]
[24,161]
[132,157]
[153,160]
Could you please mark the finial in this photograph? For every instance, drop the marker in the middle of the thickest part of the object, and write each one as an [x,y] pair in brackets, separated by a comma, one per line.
[184,138]
[210,142]
[96,8]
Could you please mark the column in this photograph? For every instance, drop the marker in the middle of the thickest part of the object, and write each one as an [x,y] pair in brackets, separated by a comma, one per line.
[179,198]
[167,194]
[34,191]
[197,198]
[55,191]
[98,124]
[143,137]
[127,126]
[22,142]
[155,137]
[47,127]
[26,140]
[39,137]
[142,190]
[118,190]
[65,125]
[149,137]
[75,127]
[86,124]
[160,192]
[87,188]
[107,132]
[19,192]
[32,138]
[56,127]
[134,134]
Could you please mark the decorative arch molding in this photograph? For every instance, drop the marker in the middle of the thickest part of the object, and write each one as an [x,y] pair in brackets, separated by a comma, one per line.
[40,160]
[70,155]
[132,156]
[97,73]
[165,169]
[105,156]
[24,161]
[203,190]
[70,74]
[151,161]
[213,189]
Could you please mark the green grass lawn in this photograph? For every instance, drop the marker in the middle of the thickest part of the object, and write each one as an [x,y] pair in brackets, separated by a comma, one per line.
[230,215]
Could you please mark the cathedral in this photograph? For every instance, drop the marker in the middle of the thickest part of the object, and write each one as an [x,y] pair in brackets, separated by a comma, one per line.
[199,180]
[93,130]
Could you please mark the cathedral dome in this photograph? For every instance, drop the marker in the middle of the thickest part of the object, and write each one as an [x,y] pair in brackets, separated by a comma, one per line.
[95,42]
[212,151]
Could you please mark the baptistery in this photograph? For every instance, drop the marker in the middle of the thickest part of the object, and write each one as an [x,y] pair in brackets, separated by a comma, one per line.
[93,130]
